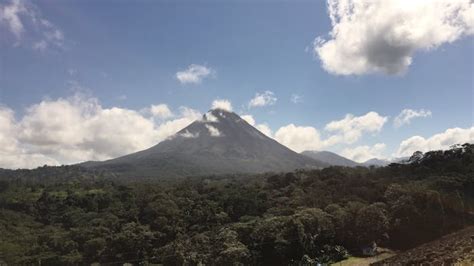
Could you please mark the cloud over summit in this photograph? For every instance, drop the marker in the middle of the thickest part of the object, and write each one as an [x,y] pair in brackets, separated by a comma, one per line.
[223,104]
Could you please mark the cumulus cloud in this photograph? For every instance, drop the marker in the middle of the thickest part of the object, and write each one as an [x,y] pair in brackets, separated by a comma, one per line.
[363,153]
[264,128]
[12,155]
[440,141]
[213,131]
[170,127]
[7,130]
[75,129]
[263,99]
[299,138]
[161,111]
[344,131]
[40,33]
[194,74]
[249,119]
[351,128]
[383,36]
[406,115]
[223,104]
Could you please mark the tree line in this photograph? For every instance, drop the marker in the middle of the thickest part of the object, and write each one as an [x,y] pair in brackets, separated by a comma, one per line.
[68,215]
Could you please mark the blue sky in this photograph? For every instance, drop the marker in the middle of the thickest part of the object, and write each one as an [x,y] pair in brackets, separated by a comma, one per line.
[127,54]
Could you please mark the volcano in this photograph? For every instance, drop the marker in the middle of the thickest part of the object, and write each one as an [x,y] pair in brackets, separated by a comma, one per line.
[221,142]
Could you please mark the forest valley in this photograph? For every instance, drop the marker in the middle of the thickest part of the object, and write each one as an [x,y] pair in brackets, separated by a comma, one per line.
[68,215]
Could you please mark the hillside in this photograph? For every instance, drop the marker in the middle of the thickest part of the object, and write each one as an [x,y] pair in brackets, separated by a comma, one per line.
[455,248]
[375,162]
[330,158]
[219,143]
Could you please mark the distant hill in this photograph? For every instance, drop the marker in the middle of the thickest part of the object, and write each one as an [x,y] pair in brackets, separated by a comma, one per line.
[382,162]
[376,162]
[330,158]
[219,143]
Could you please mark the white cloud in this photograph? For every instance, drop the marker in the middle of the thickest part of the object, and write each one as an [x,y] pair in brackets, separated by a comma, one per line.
[77,129]
[249,119]
[441,141]
[406,115]
[213,131]
[295,98]
[264,128]
[363,153]
[40,33]
[194,74]
[383,36]
[10,15]
[299,138]
[12,155]
[170,127]
[223,104]
[161,111]
[263,99]
[351,128]
[189,135]
[7,130]
[209,117]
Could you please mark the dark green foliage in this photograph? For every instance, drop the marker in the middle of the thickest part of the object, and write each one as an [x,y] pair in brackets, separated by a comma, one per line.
[371,223]
[69,216]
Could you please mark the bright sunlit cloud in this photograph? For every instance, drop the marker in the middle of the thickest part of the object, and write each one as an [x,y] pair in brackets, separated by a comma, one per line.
[440,141]
[194,74]
[383,36]
[363,153]
[351,128]
[263,99]
[223,104]
[78,128]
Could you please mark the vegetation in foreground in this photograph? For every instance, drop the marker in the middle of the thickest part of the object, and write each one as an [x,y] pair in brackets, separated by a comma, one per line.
[67,215]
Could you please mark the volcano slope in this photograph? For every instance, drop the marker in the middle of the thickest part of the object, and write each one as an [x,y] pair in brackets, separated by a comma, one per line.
[221,142]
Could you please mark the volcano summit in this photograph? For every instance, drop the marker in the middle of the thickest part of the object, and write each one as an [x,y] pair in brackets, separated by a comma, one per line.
[221,142]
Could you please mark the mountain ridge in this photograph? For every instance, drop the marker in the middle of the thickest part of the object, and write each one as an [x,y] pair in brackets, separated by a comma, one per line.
[330,158]
[221,142]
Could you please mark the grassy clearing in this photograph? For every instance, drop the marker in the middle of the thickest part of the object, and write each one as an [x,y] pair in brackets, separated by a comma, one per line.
[363,261]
